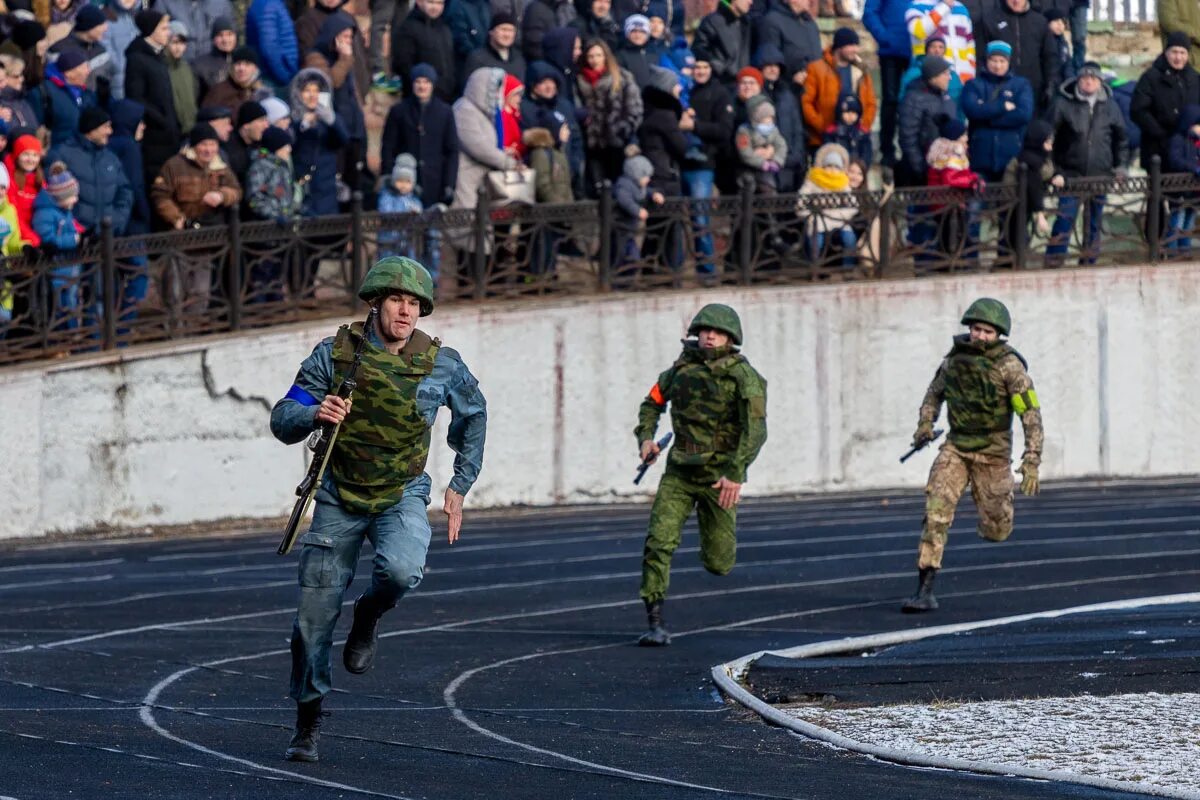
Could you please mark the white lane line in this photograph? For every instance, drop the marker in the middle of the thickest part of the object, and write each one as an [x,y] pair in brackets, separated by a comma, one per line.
[726,676]
[132,598]
[57,565]
[55,582]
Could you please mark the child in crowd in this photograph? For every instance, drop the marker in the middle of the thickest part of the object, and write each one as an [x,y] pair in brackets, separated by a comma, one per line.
[11,244]
[1183,155]
[1057,22]
[934,46]
[24,165]
[56,226]
[400,197]
[630,194]
[949,165]
[657,12]
[848,133]
[761,147]
[825,226]
[552,184]
[271,194]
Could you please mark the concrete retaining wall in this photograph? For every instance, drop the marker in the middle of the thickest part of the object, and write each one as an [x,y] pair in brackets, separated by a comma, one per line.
[179,434]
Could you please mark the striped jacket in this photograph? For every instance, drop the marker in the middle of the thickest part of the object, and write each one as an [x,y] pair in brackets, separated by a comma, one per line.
[951,20]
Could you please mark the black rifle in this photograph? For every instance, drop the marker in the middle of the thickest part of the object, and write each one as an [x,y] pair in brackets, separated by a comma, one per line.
[662,445]
[922,446]
[321,443]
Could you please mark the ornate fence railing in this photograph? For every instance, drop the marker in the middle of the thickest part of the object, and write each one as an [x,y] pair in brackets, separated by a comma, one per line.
[115,292]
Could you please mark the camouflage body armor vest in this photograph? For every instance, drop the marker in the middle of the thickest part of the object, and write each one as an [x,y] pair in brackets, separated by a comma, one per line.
[704,390]
[976,400]
[384,441]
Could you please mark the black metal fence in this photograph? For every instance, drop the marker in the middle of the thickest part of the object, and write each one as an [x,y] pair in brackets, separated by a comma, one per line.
[114,292]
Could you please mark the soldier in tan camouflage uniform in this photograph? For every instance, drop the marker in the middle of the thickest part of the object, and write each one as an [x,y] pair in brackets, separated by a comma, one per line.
[984,382]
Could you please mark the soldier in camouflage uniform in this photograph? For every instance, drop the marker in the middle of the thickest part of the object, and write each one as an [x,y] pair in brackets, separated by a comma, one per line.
[375,487]
[983,381]
[719,417]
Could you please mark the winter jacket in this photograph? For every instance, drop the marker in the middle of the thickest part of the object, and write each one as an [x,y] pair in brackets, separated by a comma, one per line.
[420,39]
[1159,98]
[1123,97]
[24,118]
[537,112]
[996,133]
[885,20]
[116,40]
[231,94]
[1034,51]
[56,227]
[104,189]
[541,17]
[921,116]
[912,77]
[638,60]
[57,105]
[661,140]
[308,31]
[184,90]
[197,15]
[99,78]
[591,27]
[347,100]
[796,35]
[487,56]
[1183,150]
[147,81]
[851,138]
[748,138]
[178,192]
[479,151]
[315,154]
[270,187]
[559,48]
[791,125]
[22,191]
[425,130]
[469,22]
[714,122]
[552,172]
[1088,142]
[126,115]
[823,88]
[825,220]
[726,38]
[953,22]
[629,198]
[270,31]
[1183,16]
[212,69]
[1038,163]
[613,115]
[393,241]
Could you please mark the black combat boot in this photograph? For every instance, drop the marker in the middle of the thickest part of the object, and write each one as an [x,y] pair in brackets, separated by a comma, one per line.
[359,651]
[303,746]
[923,600]
[657,636]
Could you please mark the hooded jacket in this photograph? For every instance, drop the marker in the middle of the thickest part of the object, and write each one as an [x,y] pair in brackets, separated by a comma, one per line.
[420,39]
[308,31]
[552,172]
[1183,150]
[661,140]
[315,154]
[996,133]
[1038,163]
[538,112]
[22,192]
[126,116]
[184,91]
[479,151]
[884,19]
[1158,101]
[347,99]
[1088,141]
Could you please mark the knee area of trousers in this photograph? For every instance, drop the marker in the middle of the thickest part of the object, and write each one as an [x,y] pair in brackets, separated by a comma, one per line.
[401,574]
[719,567]
[938,510]
[995,533]
[935,533]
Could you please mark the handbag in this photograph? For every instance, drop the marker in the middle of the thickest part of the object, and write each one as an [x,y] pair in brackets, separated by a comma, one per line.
[511,186]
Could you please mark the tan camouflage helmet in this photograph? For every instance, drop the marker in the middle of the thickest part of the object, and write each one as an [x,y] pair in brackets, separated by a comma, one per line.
[399,274]
[719,317]
[991,312]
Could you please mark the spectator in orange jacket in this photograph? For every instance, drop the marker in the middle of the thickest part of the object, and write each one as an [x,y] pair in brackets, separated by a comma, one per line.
[838,74]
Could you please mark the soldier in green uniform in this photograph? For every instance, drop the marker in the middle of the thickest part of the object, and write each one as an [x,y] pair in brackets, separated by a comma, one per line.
[719,417]
[983,381]
[375,487]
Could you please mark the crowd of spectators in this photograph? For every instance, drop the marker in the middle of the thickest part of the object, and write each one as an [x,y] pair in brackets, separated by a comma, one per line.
[165,114]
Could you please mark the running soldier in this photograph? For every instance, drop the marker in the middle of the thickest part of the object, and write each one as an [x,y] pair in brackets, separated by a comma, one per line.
[376,487]
[983,381]
[719,417]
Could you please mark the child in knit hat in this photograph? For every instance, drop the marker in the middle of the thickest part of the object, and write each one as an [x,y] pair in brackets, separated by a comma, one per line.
[271,194]
[761,147]
[950,165]
[55,224]
[401,195]
[630,193]
[848,131]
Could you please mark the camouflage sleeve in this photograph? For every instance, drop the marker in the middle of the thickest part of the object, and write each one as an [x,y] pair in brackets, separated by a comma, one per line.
[753,413]
[652,408]
[294,416]
[931,406]
[468,423]
[1024,401]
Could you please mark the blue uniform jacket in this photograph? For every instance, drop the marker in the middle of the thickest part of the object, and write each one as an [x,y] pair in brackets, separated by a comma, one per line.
[450,384]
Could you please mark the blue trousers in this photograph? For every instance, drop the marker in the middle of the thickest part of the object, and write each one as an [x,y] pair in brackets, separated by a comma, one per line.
[698,183]
[400,536]
[1060,233]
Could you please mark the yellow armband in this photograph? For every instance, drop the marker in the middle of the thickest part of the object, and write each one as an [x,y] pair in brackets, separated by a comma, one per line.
[1024,401]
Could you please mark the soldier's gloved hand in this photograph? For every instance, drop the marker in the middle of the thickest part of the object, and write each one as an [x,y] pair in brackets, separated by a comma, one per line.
[1030,485]
[923,435]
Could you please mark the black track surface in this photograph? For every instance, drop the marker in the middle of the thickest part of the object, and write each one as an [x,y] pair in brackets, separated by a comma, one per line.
[159,669]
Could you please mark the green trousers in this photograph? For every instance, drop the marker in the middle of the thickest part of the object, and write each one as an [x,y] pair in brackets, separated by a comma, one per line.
[673,504]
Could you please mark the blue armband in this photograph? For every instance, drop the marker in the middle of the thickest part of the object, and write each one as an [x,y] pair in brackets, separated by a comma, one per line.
[301,396]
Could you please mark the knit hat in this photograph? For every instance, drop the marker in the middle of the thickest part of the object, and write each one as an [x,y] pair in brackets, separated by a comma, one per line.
[179,30]
[147,20]
[26,144]
[209,113]
[833,159]
[69,59]
[276,109]
[423,70]
[89,18]
[245,53]
[405,168]
[657,8]
[502,18]
[762,112]
[751,72]
[952,129]
[91,118]
[249,111]
[1052,14]
[934,66]
[511,84]
[27,33]
[937,37]
[768,55]
[274,138]
[996,47]
[850,103]
[843,37]
[1091,68]
[220,25]
[702,53]
[638,167]
[1177,39]
[60,183]
[663,79]
[202,132]
[636,22]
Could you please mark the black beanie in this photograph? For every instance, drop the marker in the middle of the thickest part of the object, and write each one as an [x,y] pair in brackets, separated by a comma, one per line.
[147,20]
[91,118]
[27,34]
[274,138]
[202,132]
[250,111]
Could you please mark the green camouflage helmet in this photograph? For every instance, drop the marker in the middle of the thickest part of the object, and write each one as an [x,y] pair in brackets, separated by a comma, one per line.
[720,318]
[399,274]
[990,311]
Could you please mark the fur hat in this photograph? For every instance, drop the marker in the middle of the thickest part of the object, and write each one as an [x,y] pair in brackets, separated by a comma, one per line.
[539,137]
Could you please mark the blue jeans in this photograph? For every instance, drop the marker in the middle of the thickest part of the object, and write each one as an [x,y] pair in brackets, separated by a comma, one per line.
[328,560]
[1064,223]
[1077,19]
[1179,229]
[65,291]
[844,236]
[698,184]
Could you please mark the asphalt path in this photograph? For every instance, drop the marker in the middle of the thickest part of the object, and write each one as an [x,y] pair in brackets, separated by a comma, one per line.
[159,667]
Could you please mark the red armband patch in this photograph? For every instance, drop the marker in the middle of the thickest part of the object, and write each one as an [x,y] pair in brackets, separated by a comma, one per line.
[657,396]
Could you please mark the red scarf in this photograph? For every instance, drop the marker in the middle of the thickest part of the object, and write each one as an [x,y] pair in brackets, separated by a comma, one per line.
[592,76]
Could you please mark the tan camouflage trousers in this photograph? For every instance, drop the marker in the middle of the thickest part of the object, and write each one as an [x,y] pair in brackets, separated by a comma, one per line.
[991,488]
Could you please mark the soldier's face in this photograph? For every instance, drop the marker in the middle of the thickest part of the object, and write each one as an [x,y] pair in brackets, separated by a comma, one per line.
[983,333]
[712,339]
[398,315]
